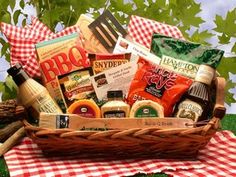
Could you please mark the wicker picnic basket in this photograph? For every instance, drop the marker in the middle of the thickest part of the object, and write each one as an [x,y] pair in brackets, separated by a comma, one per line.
[152,142]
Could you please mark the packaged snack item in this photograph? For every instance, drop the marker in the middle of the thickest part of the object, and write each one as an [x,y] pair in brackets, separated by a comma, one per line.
[146,108]
[57,57]
[76,85]
[184,57]
[115,107]
[102,62]
[85,108]
[153,82]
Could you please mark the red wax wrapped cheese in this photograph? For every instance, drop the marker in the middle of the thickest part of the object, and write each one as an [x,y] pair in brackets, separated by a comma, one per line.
[153,82]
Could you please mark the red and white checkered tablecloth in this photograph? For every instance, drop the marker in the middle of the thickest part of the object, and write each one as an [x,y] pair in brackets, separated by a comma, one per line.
[23,39]
[217,159]
[141,29]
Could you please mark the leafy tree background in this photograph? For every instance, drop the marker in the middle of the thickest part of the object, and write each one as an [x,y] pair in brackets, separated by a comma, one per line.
[181,13]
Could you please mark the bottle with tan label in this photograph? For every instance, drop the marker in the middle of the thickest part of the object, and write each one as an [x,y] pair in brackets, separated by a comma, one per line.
[115,107]
[195,104]
[33,95]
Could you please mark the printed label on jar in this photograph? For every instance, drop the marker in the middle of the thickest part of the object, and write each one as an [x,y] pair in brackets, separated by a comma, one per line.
[114,114]
[146,111]
[189,109]
[44,103]
[47,105]
[205,74]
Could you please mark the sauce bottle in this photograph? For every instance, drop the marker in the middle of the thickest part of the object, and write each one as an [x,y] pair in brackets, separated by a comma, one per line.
[115,107]
[195,104]
[33,95]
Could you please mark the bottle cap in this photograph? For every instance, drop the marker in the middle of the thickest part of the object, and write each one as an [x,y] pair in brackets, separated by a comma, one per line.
[18,74]
[205,74]
[115,94]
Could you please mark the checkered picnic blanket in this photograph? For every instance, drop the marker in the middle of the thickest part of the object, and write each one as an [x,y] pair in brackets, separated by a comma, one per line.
[141,29]
[23,40]
[218,158]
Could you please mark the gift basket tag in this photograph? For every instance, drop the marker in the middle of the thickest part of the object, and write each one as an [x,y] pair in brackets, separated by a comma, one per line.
[107,29]
[72,121]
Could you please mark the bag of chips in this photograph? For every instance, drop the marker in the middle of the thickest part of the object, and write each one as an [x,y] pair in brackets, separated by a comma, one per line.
[182,56]
[153,82]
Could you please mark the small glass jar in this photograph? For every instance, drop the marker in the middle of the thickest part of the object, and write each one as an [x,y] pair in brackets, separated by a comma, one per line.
[115,107]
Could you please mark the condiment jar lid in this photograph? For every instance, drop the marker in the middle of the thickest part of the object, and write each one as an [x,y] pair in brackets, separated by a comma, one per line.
[115,94]
[14,70]
[18,74]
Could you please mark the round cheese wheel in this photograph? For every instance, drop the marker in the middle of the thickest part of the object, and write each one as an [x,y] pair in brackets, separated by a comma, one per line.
[85,108]
[146,108]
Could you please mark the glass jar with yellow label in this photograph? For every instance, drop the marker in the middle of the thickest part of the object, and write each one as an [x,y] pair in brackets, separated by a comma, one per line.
[115,107]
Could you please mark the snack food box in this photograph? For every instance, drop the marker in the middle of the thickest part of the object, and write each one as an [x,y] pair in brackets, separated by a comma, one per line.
[76,85]
[57,57]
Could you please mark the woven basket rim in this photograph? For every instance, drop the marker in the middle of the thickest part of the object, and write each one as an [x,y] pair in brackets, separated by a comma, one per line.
[213,123]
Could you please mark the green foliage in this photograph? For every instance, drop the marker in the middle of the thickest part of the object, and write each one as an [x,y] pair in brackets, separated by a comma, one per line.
[150,175]
[16,16]
[181,13]
[8,89]
[234,48]
[22,4]
[228,123]
[12,4]
[65,11]
[200,37]
[5,47]
[226,65]
[6,17]
[224,39]
[226,27]
[4,172]
[229,98]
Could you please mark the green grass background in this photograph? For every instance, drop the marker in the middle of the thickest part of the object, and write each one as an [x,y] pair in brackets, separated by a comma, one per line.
[228,123]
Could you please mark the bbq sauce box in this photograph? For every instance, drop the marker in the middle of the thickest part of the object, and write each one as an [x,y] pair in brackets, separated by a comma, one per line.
[57,57]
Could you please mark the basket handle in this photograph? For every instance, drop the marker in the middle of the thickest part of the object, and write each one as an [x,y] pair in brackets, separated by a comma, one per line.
[219,109]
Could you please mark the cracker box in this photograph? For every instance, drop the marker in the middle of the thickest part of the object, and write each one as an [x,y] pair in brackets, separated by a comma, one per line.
[76,85]
[57,57]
